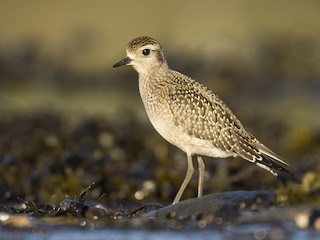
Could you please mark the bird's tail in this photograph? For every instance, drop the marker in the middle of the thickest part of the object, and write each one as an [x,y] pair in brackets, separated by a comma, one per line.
[271,162]
[249,148]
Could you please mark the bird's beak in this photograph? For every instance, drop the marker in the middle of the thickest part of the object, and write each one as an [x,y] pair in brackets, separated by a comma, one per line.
[124,61]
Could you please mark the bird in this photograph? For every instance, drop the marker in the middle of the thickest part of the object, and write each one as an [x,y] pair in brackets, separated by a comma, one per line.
[190,116]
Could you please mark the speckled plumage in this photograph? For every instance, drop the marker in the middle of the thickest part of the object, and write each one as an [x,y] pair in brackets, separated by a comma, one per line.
[190,116]
[138,42]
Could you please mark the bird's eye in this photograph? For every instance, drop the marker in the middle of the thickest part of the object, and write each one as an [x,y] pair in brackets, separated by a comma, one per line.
[146,51]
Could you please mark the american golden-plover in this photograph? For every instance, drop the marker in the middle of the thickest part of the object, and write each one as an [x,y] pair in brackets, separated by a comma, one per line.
[190,116]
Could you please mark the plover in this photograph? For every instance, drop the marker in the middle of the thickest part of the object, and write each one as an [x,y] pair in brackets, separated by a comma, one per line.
[190,116]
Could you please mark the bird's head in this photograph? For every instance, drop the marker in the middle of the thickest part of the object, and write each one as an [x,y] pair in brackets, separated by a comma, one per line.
[144,54]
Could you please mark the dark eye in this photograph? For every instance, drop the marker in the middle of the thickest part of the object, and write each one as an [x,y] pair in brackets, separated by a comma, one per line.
[146,51]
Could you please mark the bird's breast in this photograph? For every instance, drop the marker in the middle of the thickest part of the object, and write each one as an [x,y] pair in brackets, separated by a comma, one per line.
[154,98]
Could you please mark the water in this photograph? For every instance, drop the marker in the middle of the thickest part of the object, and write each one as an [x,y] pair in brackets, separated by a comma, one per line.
[253,231]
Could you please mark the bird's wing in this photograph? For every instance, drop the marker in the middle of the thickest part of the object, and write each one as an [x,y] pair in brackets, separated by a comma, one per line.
[202,114]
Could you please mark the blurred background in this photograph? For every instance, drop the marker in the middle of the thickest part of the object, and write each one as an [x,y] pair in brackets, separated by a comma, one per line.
[68,118]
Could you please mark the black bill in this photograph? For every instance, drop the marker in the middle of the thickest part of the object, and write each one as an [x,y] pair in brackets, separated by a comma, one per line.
[124,61]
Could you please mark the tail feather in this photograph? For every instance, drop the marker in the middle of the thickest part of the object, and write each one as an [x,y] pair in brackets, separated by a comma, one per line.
[267,152]
[273,165]
[249,148]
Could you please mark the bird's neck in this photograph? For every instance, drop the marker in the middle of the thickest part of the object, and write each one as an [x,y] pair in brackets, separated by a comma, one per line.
[153,72]
[151,81]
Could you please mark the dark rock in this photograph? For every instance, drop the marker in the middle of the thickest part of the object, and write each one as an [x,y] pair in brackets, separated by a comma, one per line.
[225,205]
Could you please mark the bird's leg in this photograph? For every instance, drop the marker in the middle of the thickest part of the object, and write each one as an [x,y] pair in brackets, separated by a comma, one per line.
[186,179]
[201,167]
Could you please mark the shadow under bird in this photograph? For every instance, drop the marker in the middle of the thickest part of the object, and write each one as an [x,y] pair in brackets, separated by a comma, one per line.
[190,116]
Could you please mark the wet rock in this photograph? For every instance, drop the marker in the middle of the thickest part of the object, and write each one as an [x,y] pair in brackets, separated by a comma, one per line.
[225,205]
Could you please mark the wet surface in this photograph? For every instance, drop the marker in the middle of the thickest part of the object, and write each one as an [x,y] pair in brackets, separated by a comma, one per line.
[248,214]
